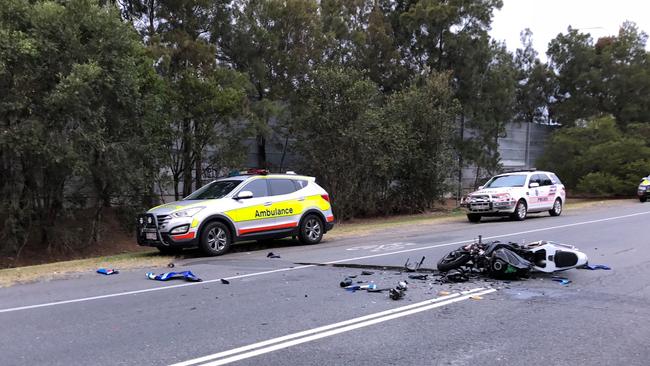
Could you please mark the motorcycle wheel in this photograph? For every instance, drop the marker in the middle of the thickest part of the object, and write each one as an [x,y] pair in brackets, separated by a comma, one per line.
[453,260]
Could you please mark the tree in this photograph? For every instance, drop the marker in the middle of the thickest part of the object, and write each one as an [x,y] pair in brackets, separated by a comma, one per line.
[345,142]
[78,115]
[535,83]
[426,113]
[611,76]
[276,44]
[204,96]
[597,157]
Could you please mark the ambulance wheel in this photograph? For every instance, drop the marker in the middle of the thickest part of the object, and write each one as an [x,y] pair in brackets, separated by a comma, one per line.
[311,230]
[643,198]
[215,239]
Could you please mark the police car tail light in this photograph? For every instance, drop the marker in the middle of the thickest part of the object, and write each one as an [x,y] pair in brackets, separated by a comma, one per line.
[326,197]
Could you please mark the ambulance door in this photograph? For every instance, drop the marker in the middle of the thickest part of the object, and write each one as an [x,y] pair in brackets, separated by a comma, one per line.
[249,215]
[286,205]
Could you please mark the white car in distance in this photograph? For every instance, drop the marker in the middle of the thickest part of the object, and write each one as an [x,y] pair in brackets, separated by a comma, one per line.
[516,194]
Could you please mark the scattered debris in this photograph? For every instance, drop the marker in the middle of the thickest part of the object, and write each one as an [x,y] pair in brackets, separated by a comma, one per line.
[419,277]
[395,294]
[562,280]
[271,255]
[367,273]
[444,293]
[353,288]
[476,297]
[106,271]
[402,285]
[415,268]
[594,267]
[454,275]
[187,275]
[346,282]
[170,265]
[225,282]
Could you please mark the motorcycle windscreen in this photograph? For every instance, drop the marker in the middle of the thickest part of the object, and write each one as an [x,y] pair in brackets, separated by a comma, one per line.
[512,258]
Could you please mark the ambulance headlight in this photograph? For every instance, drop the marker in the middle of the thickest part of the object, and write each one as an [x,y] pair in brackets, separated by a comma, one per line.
[189,212]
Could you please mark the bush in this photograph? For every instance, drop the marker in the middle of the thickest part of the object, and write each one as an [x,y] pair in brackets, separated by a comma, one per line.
[598,158]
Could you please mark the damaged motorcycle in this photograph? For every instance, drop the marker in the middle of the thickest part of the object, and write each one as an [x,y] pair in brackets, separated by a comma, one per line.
[514,260]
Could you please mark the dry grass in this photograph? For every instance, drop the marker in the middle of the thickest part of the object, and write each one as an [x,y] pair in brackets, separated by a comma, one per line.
[11,276]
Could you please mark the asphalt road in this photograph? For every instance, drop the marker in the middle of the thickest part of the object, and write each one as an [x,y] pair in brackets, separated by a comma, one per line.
[280,312]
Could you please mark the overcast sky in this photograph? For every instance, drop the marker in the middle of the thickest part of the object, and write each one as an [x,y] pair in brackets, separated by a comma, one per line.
[547,18]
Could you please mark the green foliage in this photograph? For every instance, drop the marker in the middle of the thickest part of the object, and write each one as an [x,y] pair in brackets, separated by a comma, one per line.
[78,115]
[610,76]
[597,158]
[344,140]
[373,157]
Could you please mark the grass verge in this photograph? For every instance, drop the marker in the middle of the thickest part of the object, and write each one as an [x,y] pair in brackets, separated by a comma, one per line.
[12,276]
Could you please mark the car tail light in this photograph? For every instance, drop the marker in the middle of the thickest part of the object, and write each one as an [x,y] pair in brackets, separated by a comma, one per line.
[326,197]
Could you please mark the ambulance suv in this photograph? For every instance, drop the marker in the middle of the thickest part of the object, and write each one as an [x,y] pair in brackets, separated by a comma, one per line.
[516,194]
[251,205]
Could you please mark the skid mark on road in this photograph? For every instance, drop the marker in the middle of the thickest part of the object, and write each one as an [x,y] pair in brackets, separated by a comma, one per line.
[290,340]
[254,274]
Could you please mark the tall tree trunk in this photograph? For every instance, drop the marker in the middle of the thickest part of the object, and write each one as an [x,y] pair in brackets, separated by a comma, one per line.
[460,159]
[187,157]
[198,157]
[261,152]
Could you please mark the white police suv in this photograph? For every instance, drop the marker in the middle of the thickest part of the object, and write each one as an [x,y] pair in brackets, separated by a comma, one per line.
[516,194]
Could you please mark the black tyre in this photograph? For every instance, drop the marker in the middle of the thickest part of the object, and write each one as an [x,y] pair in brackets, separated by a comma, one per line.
[520,211]
[215,239]
[557,208]
[169,250]
[474,217]
[643,198]
[453,260]
[311,230]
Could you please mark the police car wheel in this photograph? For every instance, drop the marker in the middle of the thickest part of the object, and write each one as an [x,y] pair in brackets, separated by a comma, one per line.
[520,211]
[215,239]
[557,208]
[643,198]
[474,217]
[311,230]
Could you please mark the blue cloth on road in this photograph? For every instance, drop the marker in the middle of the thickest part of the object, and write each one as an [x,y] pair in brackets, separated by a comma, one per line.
[187,275]
[596,266]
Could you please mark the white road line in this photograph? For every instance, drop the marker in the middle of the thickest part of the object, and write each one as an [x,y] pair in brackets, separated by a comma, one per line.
[486,237]
[135,292]
[321,329]
[260,348]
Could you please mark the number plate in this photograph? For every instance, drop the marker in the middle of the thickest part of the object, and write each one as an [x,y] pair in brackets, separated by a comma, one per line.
[151,236]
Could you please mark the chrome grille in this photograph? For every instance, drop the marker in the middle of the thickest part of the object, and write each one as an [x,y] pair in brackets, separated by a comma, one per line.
[162,219]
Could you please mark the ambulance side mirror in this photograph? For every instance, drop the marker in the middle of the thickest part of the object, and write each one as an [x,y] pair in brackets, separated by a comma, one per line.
[244,195]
